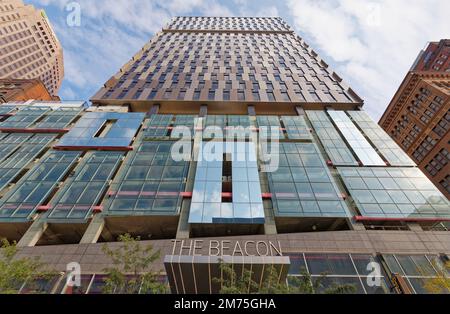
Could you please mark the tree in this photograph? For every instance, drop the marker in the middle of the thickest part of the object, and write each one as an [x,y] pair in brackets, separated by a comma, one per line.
[231,283]
[14,272]
[440,283]
[132,272]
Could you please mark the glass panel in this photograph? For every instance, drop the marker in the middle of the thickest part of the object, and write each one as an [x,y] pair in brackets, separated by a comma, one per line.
[402,192]
[307,182]
[356,140]
[330,138]
[382,141]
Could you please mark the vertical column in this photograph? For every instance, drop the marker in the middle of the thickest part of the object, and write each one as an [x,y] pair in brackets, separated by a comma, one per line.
[33,234]
[183,224]
[95,230]
[269,225]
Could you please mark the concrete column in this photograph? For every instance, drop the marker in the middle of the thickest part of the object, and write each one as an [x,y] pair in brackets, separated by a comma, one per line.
[94,230]
[414,227]
[33,234]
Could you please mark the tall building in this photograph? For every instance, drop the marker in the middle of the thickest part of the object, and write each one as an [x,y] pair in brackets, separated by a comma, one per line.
[223,138]
[29,48]
[418,117]
[23,90]
[434,58]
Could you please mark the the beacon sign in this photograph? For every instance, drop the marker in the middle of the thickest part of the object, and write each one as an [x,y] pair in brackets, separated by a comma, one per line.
[193,264]
[222,248]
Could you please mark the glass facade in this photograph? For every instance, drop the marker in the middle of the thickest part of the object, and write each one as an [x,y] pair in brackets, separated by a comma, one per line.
[296,128]
[360,146]
[160,126]
[207,204]
[417,270]
[37,185]
[24,118]
[18,151]
[120,129]
[334,269]
[302,185]
[394,192]
[150,182]
[87,186]
[329,137]
[381,140]
[147,180]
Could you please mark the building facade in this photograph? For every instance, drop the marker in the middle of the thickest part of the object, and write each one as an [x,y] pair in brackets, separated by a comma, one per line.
[418,117]
[434,58]
[29,46]
[224,138]
[23,90]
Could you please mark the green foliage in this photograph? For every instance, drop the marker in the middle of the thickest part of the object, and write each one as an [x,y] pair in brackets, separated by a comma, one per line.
[441,282]
[132,272]
[232,283]
[14,272]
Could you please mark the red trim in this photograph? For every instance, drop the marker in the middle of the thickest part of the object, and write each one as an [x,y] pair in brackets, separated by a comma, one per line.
[182,194]
[14,130]
[100,148]
[227,195]
[266,195]
[97,209]
[410,219]
[43,208]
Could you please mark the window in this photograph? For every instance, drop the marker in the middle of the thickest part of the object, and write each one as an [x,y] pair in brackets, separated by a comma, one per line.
[302,185]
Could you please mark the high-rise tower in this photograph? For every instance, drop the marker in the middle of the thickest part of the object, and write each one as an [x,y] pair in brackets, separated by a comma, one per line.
[228,138]
[29,48]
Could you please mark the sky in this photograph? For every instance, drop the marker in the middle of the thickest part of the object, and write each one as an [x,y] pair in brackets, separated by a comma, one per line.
[370,44]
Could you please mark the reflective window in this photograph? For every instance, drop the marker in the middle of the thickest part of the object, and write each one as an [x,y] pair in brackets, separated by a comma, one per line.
[246,205]
[330,271]
[356,140]
[85,189]
[333,143]
[103,129]
[150,182]
[269,124]
[161,126]
[33,189]
[382,141]
[58,119]
[296,128]
[302,186]
[417,270]
[231,126]
[24,118]
[19,150]
[394,192]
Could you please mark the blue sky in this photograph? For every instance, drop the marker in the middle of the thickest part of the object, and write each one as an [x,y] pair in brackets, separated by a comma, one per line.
[371,44]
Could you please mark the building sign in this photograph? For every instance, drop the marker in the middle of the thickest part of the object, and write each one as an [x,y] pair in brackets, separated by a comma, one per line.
[226,248]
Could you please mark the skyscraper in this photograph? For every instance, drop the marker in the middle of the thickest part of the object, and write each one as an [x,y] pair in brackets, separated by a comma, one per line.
[29,47]
[225,139]
[418,117]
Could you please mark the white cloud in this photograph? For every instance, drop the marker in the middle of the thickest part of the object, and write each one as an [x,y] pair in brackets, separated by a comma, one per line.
[374,43]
